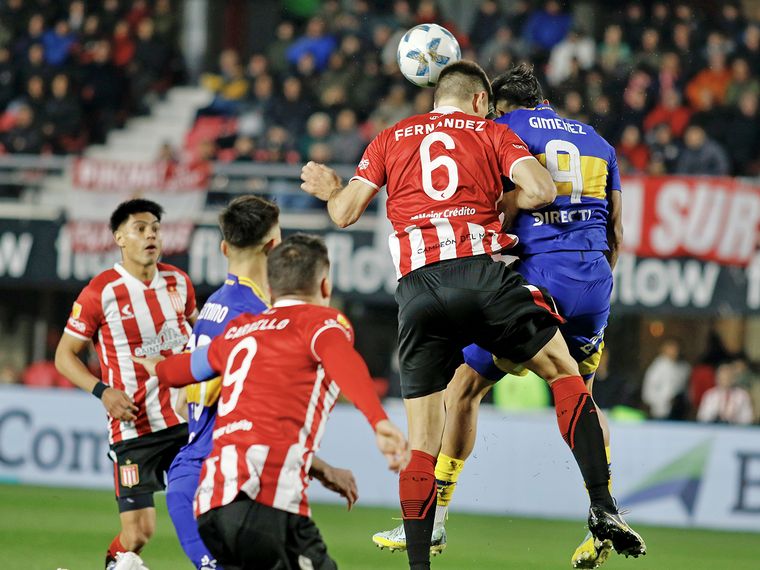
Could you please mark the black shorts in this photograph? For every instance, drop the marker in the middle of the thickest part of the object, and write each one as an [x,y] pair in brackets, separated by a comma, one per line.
[448,305]
[140,464]
[246,535]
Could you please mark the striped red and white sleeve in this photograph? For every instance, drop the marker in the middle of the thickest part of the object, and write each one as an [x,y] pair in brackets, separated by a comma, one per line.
[332,345]
[371,167]
[86,314]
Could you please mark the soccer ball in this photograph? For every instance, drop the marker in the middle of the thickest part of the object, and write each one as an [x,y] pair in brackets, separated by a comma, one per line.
[424,51]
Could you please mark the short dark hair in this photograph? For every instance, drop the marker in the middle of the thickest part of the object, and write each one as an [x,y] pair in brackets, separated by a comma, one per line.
[462,78]
[518,86]
[136,206]
[294,265]
[247,219]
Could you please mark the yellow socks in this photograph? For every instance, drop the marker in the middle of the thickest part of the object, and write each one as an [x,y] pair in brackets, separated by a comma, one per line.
[447,470]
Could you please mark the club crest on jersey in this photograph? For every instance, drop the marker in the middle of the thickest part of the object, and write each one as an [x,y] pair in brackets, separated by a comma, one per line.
[364,164]
[129,474]
[176,300]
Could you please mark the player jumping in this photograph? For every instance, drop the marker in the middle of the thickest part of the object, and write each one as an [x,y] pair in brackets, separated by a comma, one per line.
[570,248]
[140,307]
[443,173]
[282,372]
[250,230]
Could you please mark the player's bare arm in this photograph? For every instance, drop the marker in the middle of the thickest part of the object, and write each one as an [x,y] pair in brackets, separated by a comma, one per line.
[345,204]
[181,407]
[534,185]
[615,227]
[67,361]
[338,480]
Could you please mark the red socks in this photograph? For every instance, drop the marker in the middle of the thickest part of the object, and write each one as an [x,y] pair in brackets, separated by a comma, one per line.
[579,425]
[417,486]
[418,493]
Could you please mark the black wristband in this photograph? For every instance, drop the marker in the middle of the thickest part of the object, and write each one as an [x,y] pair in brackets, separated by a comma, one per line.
[98,390]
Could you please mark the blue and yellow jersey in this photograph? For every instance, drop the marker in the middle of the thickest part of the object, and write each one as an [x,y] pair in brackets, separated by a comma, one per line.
[584,168]
[236,296]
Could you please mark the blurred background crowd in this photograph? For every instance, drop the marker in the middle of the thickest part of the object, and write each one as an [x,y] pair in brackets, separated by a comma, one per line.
[673,86]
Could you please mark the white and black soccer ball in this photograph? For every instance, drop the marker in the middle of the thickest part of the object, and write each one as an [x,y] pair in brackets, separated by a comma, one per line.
[424,51]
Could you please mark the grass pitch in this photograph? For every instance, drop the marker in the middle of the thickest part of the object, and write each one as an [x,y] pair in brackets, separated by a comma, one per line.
[48,529]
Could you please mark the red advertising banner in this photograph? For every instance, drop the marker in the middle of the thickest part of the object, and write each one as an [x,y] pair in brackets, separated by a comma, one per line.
[711,219]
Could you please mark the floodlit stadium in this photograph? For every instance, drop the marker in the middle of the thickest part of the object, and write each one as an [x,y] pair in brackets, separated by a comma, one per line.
[155,153]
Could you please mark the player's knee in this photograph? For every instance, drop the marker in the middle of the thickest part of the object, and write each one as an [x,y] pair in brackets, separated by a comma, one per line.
[467,388]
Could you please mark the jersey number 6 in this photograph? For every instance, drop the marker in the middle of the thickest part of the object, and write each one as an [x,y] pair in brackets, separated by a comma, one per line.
[428,166]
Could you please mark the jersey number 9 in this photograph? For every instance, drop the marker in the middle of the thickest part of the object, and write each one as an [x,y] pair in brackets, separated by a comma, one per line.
[573,173]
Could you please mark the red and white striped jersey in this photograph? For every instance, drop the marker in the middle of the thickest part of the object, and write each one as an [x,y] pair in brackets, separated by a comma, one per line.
[443,172]
[274,405]
[124,316]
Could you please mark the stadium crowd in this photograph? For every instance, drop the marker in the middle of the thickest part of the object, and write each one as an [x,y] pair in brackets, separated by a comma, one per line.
[71,71]
[671,87]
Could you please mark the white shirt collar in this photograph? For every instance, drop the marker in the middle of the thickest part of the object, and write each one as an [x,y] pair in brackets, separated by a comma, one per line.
[446,109]
[124,273]
[288,303]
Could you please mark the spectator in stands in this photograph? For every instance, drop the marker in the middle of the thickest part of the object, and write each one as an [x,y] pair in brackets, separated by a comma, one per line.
[633,150]
[683,47]
[485,23]
[76,16]
[63,118]
[659,18]
[577,47]
[243,149]
[743,130]
[277,50]
[742,82]
[34,97]
[229,86]
[150,65]
[715,79]
[392,108]
[35,30]
[727,402]
[123,44]
[664,380]
[7,78]
[110,14]
[291,109]
[649,54]
[547,27]
[702,376]
[318,130]
[165,21]
[346,142]
[614,53]
[58,43]
[702,155]
[730,21]
[316,42]
[749,48]
[102,92]
[572,107]
[35,65]
[664,151]
[669,76]
[669,111]
[91,35]
[278,146]
[602,118]
[25,137]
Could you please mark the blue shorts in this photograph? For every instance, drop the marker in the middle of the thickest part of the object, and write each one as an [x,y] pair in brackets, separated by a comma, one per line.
[183,478]
[581,285]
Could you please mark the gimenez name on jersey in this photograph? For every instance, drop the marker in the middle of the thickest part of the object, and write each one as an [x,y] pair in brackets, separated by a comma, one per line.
[556,123]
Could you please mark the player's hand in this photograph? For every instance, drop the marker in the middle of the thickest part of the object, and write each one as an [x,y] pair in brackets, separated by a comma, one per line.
[319,180]
[119,405]
[148,362]
[392,443]
[340,481]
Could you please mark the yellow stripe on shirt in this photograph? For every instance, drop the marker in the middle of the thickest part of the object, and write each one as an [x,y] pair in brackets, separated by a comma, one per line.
[593,171]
